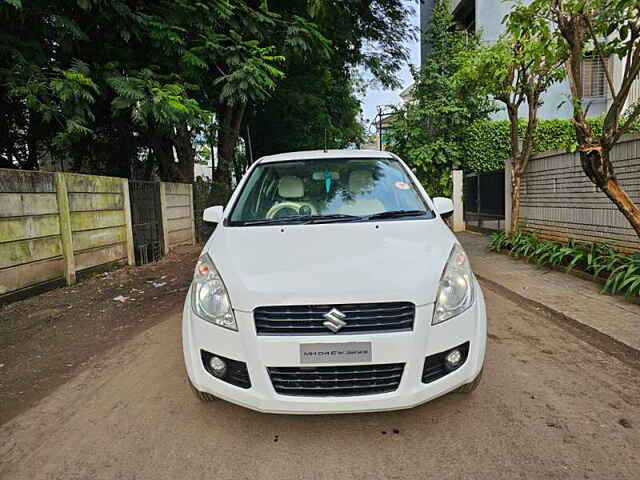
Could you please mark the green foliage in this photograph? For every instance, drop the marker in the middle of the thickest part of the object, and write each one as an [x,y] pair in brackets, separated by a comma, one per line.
[371,34]
[102,99]
[148,100]
[489,145]
[318,98]
[430,131]
[498,241]
[74,89]
[135,97]
[64,97]
[314,100]
[520,65]
[621,271]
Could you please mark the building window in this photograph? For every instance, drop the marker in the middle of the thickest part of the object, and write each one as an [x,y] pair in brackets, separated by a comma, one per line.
[594,80]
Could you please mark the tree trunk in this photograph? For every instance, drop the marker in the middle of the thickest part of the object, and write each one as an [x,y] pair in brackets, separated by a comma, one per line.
[516,172]
[186,153]
[33,150]
[230,119]
[630,210]
[211,140]
[163,152]
[516,185]
[125,151]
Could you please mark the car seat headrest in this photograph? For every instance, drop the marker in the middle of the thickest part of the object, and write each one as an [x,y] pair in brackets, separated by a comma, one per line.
[290,187]
[360,181]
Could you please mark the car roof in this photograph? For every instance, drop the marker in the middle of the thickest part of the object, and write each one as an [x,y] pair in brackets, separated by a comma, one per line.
[322,154]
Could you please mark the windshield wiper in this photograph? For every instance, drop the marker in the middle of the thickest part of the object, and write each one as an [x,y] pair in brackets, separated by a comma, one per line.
[397,214]
[277,221]
[332,218]
[338,217]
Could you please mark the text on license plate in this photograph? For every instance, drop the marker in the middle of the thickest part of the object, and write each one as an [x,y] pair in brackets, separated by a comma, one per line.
[335,352]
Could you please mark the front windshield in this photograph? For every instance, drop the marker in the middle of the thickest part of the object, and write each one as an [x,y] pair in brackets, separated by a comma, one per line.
[336,188]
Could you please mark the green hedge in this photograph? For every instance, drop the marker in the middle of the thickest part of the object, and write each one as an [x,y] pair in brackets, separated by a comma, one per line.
[488,142]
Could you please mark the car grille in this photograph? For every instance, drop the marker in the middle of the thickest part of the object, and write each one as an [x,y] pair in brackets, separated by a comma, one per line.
[336,381]
[360,318]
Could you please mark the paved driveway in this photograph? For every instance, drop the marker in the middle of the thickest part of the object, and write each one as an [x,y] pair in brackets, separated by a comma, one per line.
[549,406]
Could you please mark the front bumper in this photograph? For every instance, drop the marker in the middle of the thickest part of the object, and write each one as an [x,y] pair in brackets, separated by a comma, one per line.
[260,352]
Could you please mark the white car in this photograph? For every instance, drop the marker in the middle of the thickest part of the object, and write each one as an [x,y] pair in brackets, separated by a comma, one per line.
[331,284]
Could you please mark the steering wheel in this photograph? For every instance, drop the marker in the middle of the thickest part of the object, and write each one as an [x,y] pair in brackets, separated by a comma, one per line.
[297,208]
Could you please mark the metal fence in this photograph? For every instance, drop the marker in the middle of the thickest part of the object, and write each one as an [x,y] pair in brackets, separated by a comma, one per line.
[484,200]
[146,221]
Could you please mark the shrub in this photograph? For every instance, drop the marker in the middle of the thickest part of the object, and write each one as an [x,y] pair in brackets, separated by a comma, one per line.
[488,144]
[621,271]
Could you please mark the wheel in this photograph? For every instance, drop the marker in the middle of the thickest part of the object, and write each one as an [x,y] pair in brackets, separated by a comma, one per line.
[470,387]
[203,396]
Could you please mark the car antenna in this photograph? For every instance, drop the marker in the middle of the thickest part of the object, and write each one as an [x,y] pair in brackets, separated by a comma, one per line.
[325,140]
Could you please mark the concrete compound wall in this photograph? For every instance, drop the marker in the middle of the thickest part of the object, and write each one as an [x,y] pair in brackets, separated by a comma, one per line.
[176,200]
[100,220]
[30,241]
[559,202]
[55,225]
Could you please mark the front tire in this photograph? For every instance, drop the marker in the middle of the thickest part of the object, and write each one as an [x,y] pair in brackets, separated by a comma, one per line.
[471,386]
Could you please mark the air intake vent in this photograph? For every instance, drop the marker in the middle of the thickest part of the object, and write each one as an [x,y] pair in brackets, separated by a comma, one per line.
[336,381]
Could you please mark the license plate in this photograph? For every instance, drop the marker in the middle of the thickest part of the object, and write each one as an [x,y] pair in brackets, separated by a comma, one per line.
[335,352]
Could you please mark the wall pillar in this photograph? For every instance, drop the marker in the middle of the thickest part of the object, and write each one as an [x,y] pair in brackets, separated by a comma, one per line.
[131,259]
[64,216]
[193,221]
[458,205]
[165,223]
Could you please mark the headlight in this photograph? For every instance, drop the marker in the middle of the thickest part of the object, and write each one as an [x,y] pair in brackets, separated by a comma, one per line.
[209,298]
[455,293]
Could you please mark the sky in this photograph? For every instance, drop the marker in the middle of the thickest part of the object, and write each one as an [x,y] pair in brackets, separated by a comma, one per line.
[375,97]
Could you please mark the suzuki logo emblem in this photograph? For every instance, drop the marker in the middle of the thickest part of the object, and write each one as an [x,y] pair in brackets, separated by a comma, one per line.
[334,320]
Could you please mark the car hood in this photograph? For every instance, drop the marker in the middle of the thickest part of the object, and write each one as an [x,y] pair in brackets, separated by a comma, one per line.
[324,264]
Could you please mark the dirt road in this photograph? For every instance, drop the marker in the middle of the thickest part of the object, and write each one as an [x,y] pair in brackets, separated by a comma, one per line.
[48,339]
[549,406]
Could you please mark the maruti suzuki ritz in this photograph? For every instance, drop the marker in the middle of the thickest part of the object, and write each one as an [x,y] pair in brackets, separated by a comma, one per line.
[331,284]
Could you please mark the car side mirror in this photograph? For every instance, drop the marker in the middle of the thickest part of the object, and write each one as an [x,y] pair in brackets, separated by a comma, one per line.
[213,214]
[444,206]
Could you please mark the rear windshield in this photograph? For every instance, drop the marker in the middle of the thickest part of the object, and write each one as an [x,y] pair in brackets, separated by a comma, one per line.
[280,191]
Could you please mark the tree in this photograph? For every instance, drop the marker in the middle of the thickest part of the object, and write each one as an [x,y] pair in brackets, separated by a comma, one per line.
[516,71]
[140,91]
[317,99]
[601,29]
[249,77]
[314,100]
[130,88]
[429,131]
[91,96]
